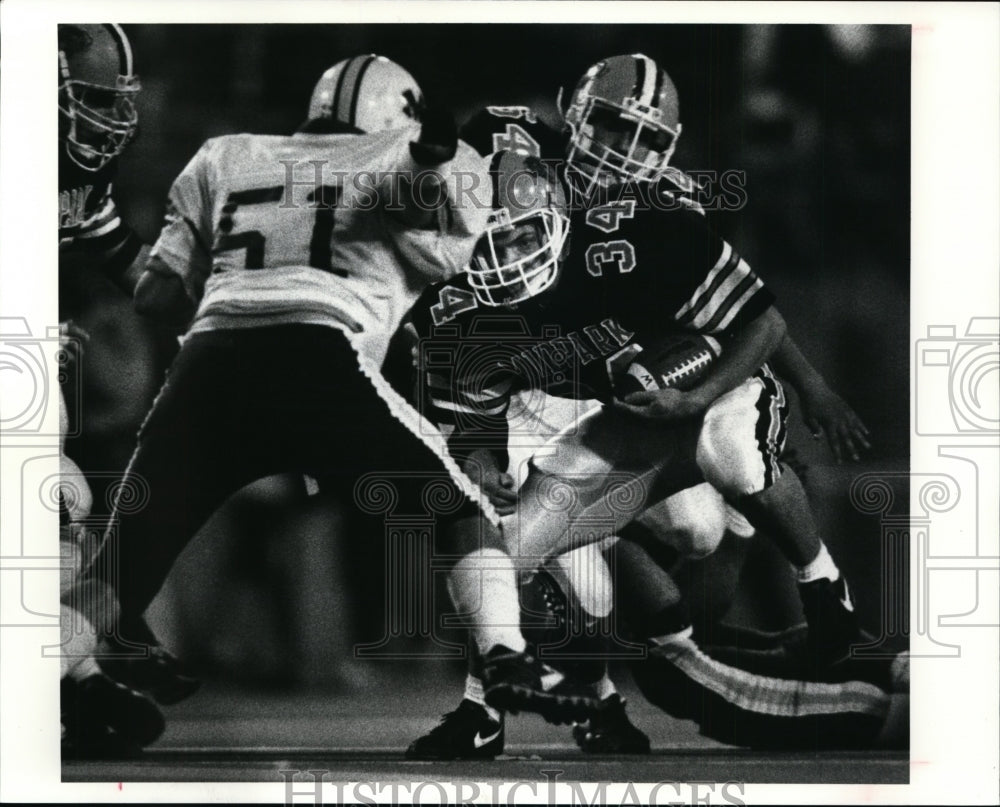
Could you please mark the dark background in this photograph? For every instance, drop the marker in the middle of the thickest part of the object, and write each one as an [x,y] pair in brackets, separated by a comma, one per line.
[818,118]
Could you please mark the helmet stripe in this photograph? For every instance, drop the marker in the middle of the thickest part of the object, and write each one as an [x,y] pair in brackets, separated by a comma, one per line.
[647,78]
[659,84]
[347,89]
[124,48]
[494,173]
[338,91]
[357,89]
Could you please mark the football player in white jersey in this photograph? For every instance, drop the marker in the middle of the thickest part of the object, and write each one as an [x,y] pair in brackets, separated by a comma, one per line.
[291,261]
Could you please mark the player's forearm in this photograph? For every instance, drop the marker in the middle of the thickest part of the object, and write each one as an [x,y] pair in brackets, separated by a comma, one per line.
[743,355]
[129,278]
[161,296]
[794,367]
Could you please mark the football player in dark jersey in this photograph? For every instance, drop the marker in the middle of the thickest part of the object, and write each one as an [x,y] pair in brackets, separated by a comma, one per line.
[622,126]
[97,121]
[528,316]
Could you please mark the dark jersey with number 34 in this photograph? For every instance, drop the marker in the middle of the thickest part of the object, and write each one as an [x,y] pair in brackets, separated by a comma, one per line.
[630,274]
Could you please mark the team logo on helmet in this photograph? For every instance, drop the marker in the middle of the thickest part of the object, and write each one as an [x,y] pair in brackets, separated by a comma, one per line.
[369,93]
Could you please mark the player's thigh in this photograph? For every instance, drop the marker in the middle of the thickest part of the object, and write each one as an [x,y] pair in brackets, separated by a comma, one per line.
[742,436]
[595,477]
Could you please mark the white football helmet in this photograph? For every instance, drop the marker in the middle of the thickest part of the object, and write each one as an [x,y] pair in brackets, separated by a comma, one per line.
[97,90]
[623,122]
[518,255]
[370,93]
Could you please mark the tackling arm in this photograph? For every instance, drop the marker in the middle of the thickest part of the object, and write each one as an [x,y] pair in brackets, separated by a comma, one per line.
[823,410]
[160,295]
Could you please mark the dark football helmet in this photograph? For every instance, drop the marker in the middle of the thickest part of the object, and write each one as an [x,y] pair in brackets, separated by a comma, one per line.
[97,90]
[518,255]
[623,122]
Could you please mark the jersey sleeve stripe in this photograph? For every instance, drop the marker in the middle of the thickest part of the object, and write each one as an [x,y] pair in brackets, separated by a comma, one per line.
[746,291]
[721,296]
[777,696]
[451,406]
[727,261]
[103,229]
[481,400]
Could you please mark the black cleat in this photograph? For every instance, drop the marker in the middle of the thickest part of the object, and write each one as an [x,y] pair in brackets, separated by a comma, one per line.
[833,623]
[467,733]
[518,682]
[157,673]
[96,707]
[609,731]
[97,742]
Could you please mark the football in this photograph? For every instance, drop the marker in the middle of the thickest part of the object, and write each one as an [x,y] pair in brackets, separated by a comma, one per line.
[678,361]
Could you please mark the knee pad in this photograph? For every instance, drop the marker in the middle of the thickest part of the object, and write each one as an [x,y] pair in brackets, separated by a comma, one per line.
[692,521]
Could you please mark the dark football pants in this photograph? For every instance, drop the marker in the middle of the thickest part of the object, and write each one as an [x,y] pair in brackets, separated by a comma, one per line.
[242,404]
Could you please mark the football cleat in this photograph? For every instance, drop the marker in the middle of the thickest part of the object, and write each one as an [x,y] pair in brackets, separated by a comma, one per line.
[833,623]
[466,733]
[97,742]
[157,673]
[609,731]
[518,682]
[96,707]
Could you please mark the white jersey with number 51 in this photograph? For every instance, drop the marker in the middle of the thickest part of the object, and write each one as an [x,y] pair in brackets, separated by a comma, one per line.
[266,230]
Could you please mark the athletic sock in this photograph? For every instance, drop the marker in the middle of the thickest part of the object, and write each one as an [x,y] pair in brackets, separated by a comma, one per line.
[474,692]
[605,688]
[484,583]
[673,638]
[85,669]
[821,566]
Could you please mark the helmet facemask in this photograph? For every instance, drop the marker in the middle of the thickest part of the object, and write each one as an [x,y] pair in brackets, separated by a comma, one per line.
[97,121]
[611,143]
[517,257]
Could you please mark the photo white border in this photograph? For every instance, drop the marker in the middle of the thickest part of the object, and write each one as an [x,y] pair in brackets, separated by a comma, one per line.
[955,260]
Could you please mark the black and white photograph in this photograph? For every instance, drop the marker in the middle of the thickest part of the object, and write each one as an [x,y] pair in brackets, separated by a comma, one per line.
[556,406]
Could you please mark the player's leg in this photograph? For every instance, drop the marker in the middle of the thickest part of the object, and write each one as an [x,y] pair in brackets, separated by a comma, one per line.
[578,590]
[188,460]
[390,446]
[603,471]
[738,451]
[736,706]
[747,697]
